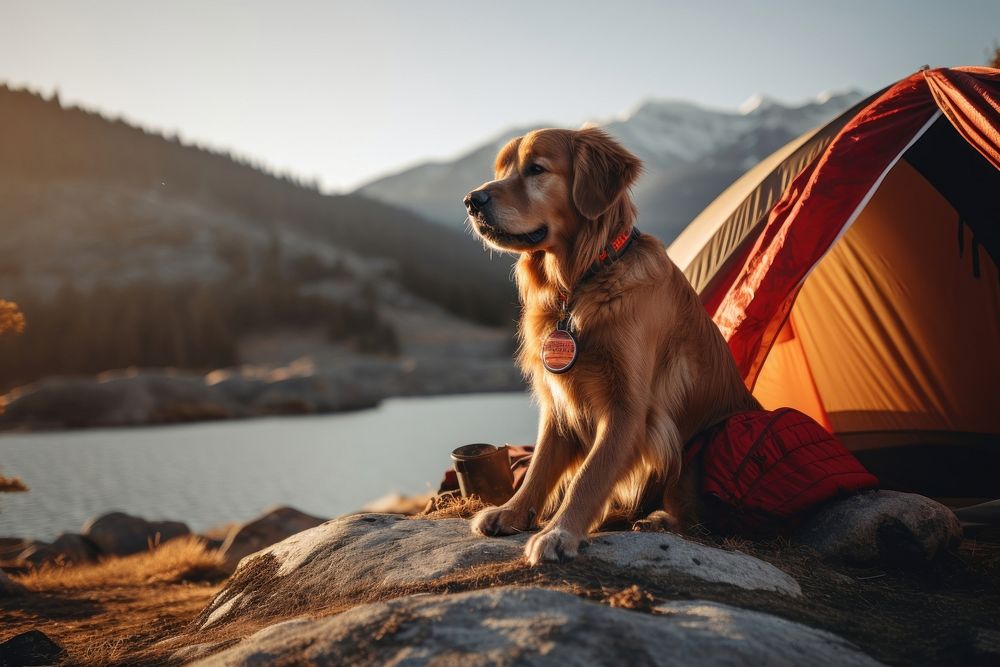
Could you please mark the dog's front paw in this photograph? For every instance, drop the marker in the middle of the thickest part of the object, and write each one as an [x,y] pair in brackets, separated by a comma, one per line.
[552,544]
[503,520]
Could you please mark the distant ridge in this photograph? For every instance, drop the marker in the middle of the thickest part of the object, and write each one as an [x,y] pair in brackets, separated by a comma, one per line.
[125,248]
[691,154]
[43,144]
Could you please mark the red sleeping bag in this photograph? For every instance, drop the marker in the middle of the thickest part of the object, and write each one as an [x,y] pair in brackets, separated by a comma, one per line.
[764,471]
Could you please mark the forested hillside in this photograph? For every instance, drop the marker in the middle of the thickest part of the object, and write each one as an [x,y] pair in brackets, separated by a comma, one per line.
[125,247]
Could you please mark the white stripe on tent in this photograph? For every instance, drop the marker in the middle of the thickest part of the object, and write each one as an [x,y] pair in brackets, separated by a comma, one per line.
[850,221]
[871,193]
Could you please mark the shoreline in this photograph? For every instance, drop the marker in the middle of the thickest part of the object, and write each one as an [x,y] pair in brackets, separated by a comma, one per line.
[211,473]
[21,430]
[160,397]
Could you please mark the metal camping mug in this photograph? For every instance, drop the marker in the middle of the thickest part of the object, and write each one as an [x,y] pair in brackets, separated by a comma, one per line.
[484,470]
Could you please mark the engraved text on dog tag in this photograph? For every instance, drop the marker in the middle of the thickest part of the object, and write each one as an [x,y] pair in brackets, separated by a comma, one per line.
[559,351]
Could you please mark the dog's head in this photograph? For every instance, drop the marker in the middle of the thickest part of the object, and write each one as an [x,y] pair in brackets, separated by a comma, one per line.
[550,185]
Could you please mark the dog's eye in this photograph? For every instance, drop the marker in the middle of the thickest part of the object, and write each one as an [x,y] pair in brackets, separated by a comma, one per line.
[534,170]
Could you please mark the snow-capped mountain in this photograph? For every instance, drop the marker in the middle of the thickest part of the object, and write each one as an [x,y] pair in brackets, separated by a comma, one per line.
[691,154]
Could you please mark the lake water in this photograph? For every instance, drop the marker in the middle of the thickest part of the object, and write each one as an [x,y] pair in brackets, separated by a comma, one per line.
[209,474]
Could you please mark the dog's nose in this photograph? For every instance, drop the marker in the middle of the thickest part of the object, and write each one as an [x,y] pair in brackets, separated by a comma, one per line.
[475,200]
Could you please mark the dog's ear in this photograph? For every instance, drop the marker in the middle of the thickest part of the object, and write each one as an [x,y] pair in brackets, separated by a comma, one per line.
[507,156]
[602,171]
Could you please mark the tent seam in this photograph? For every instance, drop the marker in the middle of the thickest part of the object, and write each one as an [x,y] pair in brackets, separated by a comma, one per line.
[868,196]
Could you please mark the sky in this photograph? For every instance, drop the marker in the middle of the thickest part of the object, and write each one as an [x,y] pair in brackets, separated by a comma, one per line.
[343,92]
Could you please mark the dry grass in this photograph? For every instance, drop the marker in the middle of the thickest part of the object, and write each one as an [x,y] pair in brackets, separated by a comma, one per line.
[114,611]
[985,555]
[182,559]
[451,506]
[633,597]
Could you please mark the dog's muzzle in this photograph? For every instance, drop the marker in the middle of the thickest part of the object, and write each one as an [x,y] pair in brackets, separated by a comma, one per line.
[475,201]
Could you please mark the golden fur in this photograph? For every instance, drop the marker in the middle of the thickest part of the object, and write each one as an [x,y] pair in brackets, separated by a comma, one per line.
[652,371]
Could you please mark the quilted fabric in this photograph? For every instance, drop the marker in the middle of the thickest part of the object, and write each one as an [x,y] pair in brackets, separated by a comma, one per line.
[764,471]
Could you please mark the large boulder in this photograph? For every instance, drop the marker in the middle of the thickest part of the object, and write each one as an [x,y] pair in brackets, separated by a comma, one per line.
[512,625]
[120,534]
[372,554]
[883,526]
[668,552]
[271,527]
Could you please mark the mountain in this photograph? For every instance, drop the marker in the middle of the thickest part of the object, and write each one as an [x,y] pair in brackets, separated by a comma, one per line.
[125,247]
[128,248]
[691,154]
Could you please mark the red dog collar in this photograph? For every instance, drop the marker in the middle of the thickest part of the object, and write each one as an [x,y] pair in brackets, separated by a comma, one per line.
[559,349]
[609,255]
[616,248]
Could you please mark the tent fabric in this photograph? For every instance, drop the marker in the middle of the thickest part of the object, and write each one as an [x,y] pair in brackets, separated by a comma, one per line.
[970,98]
[836,187]
[717,242]
[884,349]
[961,174]
[867,294]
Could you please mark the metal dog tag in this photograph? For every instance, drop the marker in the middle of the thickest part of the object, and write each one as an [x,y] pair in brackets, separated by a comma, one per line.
[559,350]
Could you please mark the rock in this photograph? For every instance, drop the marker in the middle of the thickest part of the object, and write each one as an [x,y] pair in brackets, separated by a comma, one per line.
[129,398]
[67,549]
[120,534]
[397,503]
[987,514]
[314,393]
[9,587]
[513,625]
[669,552]
[193,652]
[12,547]
[30,648]
[239,389]
[882,525]
[27,549]
[271,527]
[365,554]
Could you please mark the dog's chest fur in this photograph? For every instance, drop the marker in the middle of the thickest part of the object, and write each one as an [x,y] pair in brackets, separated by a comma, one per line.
[574,394]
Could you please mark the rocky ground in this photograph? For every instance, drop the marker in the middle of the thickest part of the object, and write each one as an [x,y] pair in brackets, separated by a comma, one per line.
[878,578]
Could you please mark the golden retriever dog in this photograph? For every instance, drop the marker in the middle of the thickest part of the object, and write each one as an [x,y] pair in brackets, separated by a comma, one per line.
[651,368]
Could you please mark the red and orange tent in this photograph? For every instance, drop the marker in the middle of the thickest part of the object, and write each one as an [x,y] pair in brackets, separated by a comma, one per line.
[854,275]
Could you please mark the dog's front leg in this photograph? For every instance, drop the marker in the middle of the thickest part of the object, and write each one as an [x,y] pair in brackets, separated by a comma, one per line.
[553,454]
[612,456]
